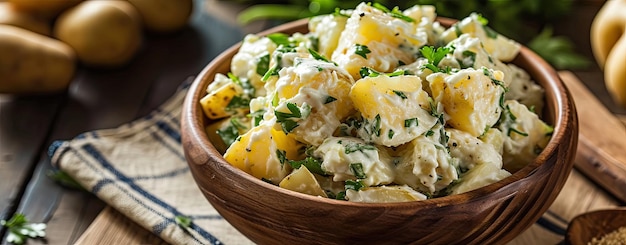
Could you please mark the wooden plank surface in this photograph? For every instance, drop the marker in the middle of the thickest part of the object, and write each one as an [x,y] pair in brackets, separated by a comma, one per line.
[579,195]
[96,99]
[602,140]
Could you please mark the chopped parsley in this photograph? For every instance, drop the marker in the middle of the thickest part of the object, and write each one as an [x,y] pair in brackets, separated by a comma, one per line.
[238,102]
[434,56]
[329,99]
[411,121]
[318,56]
[339,12]
[376,125]
[281,39]
[349,185]
[400,93]
[357,170]
[495,81]
[286,118]
[230,133]
[311,163]
[362,50]
[469,60]
[395,12]
[263,65]
[257,117]
[282,157]
[19,229]
[183,221]
[369,72]
[354,147]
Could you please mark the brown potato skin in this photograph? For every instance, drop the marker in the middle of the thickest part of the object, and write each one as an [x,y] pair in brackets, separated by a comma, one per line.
[12,16]
[164,16]
[32,63]
[102,33]
[43,8]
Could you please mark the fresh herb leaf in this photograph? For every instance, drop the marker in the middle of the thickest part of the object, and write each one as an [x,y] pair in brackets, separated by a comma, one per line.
[19,229]
[280,39]
[357,170]
[64,179]
[338,12]
[311,163]
[353,185]
[390,134]
[469,60]
[434,57]
[295,112]
[354,147]
[329,99]
[230,133]
[395,12]
[376,125]
[238,102]
[183,221]
[362,50]
[318,56]
[400,93]
[257,117]
[282,157]
[411,121]
[495,81]
[263,65]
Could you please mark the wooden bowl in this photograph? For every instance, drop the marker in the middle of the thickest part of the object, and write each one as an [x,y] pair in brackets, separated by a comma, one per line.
[496,213]
[583,228]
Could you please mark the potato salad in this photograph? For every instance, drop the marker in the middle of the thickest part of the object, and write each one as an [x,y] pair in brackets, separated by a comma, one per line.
[378,105]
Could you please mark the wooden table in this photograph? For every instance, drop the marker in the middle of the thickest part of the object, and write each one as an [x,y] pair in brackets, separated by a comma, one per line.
[100,99]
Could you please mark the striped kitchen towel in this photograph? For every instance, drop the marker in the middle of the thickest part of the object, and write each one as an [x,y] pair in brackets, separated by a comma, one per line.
[139,169]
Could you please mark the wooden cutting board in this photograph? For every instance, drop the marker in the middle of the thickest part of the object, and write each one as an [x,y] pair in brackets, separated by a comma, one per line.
[601,158]
[601,153]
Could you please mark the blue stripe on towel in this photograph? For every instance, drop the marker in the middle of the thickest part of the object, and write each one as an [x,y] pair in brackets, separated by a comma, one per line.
[93,152]
[543,222]
[168,130]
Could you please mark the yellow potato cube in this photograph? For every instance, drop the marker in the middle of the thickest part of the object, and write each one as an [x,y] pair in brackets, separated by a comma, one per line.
[303,181]
[396,109]
[263,151]
[470,97]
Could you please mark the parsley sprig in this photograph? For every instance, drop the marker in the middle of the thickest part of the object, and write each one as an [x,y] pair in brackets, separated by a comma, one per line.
[20,229]
[369,72]
[286,119]
[395,12]
[434,57]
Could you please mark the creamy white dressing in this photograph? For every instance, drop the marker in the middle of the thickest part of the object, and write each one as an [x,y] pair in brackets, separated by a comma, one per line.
[403,138]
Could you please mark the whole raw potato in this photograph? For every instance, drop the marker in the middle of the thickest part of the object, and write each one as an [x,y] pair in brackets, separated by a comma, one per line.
[10,15]
[164,15]
[102,32]
[33,63]
[43,8]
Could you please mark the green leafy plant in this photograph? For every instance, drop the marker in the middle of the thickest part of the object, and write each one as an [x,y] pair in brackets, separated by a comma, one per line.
[20,230]
[526,21]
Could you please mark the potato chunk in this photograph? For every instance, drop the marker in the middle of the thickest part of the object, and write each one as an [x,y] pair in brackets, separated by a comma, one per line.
[303,181]
[389,41]
[262,152]
[395,109]
[385,194]
[470,97]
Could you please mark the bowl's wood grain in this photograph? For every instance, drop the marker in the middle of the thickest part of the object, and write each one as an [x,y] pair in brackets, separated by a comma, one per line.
[496,213]
[583,228]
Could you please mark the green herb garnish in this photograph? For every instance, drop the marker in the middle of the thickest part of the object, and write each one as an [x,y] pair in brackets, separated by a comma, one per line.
[361,50]
[434,56]
[19,230]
